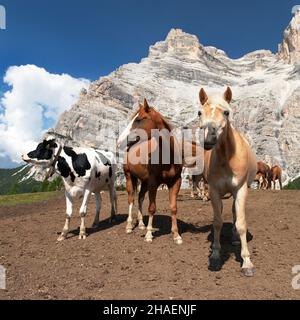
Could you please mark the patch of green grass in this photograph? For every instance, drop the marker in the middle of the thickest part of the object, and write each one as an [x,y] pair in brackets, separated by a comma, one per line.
[15,199]
[294,185]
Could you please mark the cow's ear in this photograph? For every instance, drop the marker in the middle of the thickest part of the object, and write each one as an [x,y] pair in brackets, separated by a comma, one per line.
[203,96]
[53,144]
[146,105]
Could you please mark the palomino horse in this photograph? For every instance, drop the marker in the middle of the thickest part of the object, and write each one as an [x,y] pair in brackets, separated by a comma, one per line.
[151,174]
[264,172]
[230,167]
[276,174]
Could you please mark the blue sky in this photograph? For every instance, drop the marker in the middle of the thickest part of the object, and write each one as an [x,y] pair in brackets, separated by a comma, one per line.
[89,38]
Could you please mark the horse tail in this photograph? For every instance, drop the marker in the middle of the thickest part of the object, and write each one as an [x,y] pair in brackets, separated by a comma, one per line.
[134,181]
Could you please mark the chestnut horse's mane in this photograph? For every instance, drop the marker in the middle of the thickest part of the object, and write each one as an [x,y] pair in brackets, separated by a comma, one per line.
[168,126]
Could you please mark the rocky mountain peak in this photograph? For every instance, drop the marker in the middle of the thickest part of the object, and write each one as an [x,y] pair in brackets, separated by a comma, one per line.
[266,95]
[289,49]
[178,43]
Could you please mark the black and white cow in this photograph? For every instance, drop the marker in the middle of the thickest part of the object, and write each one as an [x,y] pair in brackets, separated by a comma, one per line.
[84,171]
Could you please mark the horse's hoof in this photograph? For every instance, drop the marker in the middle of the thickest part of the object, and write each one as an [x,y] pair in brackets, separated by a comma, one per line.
[148,240]
[129,230]
[178,241]
[215,264]
[248,272]
[82,237]
[142,227]
[61,238]
[95,225]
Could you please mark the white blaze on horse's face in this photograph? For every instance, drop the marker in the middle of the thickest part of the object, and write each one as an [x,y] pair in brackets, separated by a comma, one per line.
[124,135]
[139,128]
[214,116]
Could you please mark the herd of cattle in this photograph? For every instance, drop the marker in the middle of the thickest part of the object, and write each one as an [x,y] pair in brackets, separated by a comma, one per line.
[229,168]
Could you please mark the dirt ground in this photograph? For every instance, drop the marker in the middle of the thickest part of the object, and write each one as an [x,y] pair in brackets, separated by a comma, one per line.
[110,264]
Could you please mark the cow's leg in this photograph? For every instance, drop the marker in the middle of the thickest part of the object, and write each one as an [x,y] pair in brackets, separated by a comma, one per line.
[241,226]
[82,212]
[235,240]
[98,199]
[215,258]
[69,210]
[173,192]
[151,210]
[113,202]
[130,191]
[141,200]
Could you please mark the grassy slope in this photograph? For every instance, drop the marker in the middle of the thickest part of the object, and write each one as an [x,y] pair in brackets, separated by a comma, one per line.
[9,183]
[294,185]
[11,200]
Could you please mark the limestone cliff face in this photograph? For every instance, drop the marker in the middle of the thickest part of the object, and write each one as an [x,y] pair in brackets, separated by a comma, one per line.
[289,49]
[266,89]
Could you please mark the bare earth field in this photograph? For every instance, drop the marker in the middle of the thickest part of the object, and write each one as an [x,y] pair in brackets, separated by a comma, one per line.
[110,264]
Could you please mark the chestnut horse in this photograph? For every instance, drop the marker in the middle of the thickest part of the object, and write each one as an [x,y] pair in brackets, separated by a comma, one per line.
[276,174]
[230,167]
[151,175]
[262,182]
[264,171]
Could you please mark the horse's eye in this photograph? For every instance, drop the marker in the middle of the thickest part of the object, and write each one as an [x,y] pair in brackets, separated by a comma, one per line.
[226,113]
[199,114]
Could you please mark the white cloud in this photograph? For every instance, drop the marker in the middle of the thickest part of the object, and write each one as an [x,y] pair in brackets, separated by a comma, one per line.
[36,98]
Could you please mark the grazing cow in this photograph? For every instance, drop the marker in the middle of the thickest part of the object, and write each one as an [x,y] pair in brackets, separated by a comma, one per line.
[84,171]
[276,174]
[151,175]
[229,167]
[264,171]
[199,186]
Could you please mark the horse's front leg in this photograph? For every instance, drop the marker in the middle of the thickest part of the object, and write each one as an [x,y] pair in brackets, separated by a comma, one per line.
[83,212]
[69,210]
[130,192]
[173,193]
[215,258]
[141,201]
[241,226]
[151,211]
[235,240]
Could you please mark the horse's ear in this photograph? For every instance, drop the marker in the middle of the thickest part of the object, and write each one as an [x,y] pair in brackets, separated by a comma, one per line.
[203,96]
[146,105]
[228,95]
